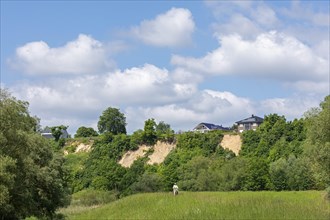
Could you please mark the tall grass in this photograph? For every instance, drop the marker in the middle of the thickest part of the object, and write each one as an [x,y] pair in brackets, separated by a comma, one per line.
[214,205]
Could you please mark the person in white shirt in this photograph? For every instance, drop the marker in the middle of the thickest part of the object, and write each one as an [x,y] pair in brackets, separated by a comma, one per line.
[175,189]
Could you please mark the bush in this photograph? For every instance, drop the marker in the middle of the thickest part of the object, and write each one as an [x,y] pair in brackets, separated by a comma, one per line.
[93,197]
[148,182]
[327,195]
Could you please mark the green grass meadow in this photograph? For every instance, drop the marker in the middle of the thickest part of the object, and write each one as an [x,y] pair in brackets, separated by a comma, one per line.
[210,205]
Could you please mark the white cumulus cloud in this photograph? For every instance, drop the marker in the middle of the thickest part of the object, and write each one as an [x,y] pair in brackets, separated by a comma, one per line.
[81,56]
[172,29]
[271,55]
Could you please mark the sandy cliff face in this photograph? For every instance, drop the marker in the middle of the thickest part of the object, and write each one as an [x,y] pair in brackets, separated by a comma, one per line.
[232,142]
[161,150]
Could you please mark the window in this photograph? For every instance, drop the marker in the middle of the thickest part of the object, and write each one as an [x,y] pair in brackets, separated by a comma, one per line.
[247,126]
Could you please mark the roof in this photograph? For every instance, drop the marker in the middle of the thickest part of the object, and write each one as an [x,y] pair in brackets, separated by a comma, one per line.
[212,126]
[252,119]
[46,132]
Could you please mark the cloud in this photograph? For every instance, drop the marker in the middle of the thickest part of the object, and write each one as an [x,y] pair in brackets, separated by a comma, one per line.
[271,55]
[171,29]
[146,92]
[86,96]
[290,107]
[205,106]
[303,11]
[81,56]
[248,29]
[310,87]
[265,16]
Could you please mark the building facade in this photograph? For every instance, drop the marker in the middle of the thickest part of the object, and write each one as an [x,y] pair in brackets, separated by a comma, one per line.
[251,123]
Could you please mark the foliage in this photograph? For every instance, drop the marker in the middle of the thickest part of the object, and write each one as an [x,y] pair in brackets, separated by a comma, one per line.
[136,139]
[74,164]
[85,132]
[57,131]
[256,176]
[200,174]
[32,177]
[112,120]
[164,132]
[148,182]
[93,197]
[149,134]
[132,175]
[208,142]
[233,174]
[317,145]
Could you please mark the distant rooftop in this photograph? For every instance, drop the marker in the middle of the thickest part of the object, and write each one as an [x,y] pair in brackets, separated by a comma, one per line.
[212,126]
[252,119]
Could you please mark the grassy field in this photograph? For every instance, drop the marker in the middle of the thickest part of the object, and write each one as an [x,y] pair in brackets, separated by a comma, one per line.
[211,205]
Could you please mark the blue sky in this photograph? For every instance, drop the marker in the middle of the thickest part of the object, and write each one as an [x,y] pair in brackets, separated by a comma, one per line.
[182,62]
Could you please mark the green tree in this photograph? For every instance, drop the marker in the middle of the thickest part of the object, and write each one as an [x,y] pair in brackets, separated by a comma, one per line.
[278,174]
[32,176]
[112,120]
[7,177]
[233,174]
[250,141]
[299,174]
[164,132]
[317,144]
[257,175]
[85,132]
[57,131]
[136,139]
[148,182]
[149,135]
[198,175]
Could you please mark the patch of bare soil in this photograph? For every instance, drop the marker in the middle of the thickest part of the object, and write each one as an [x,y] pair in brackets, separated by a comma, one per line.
[232,142]
[161,150]
[130,156]
[83,147]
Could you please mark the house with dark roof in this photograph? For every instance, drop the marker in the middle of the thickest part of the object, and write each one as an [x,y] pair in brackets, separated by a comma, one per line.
[250,123]
[205,127]
[47,133]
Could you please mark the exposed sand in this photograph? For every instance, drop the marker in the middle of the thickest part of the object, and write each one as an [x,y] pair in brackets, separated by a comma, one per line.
[83,147]
[161,150]
[232,142]
[130,156]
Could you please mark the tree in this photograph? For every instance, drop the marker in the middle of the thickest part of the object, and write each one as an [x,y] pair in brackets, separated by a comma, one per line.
[149,135]
[112,120]
[85,132]
[32,177]
[317,145]
[57,131]
[164,132]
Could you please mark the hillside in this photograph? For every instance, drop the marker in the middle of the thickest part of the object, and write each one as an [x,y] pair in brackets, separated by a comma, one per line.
[160,149]
[212,205]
